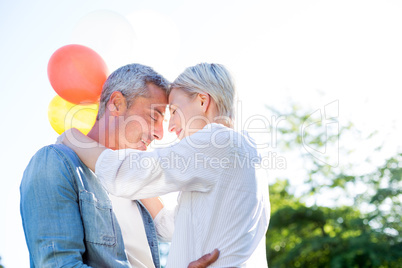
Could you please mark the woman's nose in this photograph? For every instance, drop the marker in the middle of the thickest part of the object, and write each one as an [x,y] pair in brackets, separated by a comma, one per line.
[172,126]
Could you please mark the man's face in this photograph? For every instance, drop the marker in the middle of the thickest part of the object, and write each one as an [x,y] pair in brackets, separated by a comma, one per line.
[143,121]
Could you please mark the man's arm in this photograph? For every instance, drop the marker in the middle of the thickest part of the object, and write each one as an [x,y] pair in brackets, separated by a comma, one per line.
[50,213]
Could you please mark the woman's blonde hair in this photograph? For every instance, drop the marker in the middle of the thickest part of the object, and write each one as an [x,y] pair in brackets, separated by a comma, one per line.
[213,79]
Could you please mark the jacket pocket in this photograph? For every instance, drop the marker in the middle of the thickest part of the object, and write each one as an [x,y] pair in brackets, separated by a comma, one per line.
[97,217]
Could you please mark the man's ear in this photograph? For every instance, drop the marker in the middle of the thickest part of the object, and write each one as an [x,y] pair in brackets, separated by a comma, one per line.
[205,100]
[117,104]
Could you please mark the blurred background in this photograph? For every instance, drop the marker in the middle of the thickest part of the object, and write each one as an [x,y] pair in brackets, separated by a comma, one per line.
[318,85]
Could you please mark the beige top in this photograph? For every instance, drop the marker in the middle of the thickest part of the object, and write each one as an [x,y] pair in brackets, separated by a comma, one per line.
[133,231]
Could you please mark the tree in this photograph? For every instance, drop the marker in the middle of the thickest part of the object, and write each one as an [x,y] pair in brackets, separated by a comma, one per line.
[366,234]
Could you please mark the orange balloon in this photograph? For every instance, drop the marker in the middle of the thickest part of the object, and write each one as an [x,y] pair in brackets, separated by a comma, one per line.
[77,73]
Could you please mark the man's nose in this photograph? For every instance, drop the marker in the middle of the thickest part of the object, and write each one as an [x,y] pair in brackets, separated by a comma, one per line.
[158,131]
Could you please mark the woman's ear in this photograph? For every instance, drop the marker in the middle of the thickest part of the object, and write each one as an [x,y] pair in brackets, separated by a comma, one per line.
[117,104]
[205,100]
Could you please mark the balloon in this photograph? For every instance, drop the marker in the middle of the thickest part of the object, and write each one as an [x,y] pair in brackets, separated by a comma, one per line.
[64,115]
[77,73]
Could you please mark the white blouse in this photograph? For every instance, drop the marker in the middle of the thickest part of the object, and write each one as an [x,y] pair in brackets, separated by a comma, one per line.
[224,200]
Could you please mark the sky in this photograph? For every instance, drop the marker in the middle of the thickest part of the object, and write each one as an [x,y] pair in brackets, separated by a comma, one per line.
[342,58]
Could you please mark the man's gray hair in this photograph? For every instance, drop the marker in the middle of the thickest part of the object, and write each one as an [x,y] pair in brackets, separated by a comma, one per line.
[213,79]
[131,80]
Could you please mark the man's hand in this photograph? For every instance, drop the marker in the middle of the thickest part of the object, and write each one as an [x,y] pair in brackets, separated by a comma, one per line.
[205,260]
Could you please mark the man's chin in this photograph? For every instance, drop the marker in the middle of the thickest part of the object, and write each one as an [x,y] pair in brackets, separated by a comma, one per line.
[143,148]
[137,146]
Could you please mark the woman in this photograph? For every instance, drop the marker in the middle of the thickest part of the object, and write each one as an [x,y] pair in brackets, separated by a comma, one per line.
[223,201]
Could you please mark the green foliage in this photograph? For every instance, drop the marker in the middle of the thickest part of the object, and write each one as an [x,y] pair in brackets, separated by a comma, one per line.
[367,234]
[301,236]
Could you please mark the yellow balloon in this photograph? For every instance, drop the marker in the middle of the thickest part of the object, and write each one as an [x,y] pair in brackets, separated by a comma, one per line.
[64,115]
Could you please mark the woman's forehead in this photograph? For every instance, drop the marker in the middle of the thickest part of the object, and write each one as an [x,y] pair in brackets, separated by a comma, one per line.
[175,96]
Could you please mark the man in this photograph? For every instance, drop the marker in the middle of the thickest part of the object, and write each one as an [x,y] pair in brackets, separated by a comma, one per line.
[67,216]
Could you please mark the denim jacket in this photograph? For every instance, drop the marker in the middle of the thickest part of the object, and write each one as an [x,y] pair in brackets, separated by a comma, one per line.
[67,216]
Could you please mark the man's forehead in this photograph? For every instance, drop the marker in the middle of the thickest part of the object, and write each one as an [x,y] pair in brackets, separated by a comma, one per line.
[156,92]
[158,99]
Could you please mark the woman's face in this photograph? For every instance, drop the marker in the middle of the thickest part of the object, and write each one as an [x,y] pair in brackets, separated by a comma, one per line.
[186,114]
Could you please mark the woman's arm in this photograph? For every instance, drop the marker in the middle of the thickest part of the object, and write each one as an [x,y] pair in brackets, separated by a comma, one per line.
[86,148]
[138,174]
